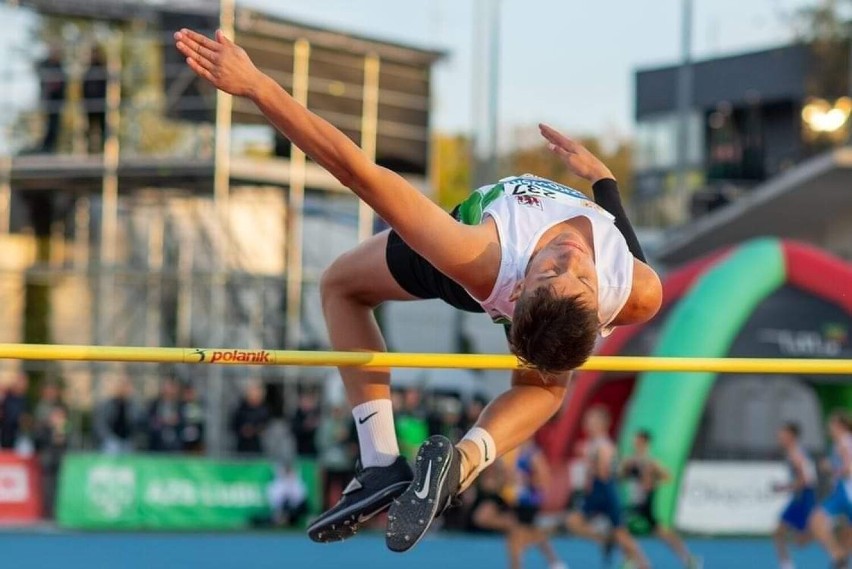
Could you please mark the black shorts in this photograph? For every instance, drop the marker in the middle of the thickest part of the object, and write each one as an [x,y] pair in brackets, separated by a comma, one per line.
[643,512]
[526,515]
[419,278]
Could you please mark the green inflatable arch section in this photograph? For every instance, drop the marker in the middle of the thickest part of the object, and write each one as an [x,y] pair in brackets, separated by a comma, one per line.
[703,324]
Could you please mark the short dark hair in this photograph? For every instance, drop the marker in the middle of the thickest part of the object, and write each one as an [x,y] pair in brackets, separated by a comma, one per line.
[842,417]
[793,428]
[644,434]
[552,333]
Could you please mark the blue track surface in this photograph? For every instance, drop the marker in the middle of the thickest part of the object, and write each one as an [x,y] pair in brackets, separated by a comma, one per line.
[284,551]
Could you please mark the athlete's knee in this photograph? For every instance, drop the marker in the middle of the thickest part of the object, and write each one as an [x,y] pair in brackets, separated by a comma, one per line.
[338,281]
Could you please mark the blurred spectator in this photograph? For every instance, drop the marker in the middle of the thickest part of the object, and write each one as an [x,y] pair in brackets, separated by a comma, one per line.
[51,440]
[52,77]
[411,426]
[164,419]
[49,398]
[192,420]
[336,452]
[115,420]
[472,411]
[305,423]
[94,95]
[288,497]
[250,420]
[13,411]
[446,418]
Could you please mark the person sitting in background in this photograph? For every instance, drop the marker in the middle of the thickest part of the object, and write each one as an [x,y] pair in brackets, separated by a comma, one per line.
[164,427]
[491,513]
[802,487]
[305,423]
[14,412]
[334,443]
[288,497]
[191,420]
[839,502]
[116,420]
[251,419]
[645,474]
[601,490]
[51,442]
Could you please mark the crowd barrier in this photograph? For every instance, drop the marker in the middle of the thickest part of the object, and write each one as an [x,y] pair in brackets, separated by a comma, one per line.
[20,489]
[167,493]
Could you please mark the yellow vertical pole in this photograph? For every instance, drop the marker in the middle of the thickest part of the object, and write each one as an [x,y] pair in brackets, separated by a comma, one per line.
[369,134]
[296,203]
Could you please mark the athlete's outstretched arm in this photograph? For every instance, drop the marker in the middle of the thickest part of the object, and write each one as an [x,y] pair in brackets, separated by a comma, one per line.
[447,244]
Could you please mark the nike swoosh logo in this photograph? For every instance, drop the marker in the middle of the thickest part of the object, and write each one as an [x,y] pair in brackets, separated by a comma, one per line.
[484,444]
[363,420]
[424,490]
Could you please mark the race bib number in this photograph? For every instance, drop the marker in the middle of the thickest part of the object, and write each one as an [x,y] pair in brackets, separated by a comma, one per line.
[529,191]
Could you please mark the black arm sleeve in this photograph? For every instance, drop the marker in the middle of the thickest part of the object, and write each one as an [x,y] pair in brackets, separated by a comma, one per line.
[607,196]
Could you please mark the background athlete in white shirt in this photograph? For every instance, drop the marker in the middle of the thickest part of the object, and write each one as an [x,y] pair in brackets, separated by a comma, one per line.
[563,283]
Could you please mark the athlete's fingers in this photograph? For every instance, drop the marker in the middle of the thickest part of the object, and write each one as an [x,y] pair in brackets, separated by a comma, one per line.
[199,70]
[202,56]
[557,137]
[561,152]
[200,39]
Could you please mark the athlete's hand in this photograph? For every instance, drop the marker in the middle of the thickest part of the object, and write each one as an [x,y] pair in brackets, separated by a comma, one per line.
[222,62]
[575,156]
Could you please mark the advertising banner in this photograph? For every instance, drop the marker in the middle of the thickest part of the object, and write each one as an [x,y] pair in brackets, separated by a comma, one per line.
[731,497]
[20,489]
[148,492]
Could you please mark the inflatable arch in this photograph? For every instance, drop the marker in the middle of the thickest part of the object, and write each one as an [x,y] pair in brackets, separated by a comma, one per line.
[707,322]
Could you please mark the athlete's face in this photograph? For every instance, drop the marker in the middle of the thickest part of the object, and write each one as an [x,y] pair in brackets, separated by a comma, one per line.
[566,265]
[836,429]
[640,444]
[595,423]
[785,438]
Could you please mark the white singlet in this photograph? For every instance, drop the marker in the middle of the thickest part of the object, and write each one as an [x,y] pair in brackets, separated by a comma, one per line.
[524,208]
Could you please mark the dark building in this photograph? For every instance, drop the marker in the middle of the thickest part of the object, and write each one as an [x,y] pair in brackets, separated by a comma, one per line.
[752,117]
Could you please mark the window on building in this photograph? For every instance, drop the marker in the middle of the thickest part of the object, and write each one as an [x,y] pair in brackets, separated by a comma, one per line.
[657,141]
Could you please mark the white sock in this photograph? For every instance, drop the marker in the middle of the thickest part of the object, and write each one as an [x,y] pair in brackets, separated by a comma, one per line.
[376,434]
[487,453]
[787,565]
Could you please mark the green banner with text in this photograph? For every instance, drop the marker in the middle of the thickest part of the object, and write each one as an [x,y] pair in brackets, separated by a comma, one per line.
[151,492]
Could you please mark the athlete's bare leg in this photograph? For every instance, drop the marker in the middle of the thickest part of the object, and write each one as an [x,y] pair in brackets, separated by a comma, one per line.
[820,526]
[779,536]
[675,543]
[578,525]
[356,283]
[630,547]
[516,415]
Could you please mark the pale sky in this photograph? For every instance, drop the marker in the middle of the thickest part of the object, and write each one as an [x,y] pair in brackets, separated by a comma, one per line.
[567,62]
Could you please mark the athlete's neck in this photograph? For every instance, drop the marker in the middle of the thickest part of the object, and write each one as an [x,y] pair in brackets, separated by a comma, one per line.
[580,227]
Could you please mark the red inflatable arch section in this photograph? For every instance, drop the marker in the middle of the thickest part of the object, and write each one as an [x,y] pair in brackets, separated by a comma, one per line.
[558,439]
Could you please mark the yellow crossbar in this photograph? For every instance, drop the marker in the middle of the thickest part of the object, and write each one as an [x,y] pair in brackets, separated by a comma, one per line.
[231,356]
